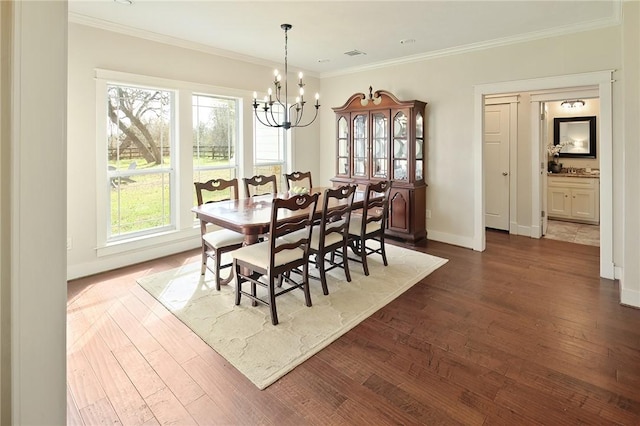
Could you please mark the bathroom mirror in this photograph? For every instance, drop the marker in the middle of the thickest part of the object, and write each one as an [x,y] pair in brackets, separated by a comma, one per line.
[578,134]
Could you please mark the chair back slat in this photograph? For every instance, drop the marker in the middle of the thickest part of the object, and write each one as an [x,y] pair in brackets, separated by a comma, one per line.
[376,203]
[302,179]
[284,220]
[216,190]
[260,185]
[336,219]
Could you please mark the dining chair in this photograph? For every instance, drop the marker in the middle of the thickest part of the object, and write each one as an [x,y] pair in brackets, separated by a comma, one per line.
[370,225]
[302,179]
[331,235]
[259,185]
[215,243]
[273,258]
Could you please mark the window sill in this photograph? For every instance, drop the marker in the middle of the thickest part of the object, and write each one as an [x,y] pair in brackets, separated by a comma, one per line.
[147,242]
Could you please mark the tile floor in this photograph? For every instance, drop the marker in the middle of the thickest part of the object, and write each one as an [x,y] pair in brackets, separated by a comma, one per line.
[578,233]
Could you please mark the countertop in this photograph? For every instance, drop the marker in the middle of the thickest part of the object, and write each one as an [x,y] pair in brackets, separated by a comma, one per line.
[574,175]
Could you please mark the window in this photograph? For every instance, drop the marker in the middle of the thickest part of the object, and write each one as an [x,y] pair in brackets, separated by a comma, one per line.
[140,161]
[270,149]
[157,136]
[215,138]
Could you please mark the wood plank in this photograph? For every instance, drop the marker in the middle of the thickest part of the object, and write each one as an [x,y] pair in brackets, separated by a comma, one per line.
[100,413]
[138,370]
[172,373]
[73,414]
[135,331]
[123,396]
[523,333]
[206,412]
[168,410]
[82,383]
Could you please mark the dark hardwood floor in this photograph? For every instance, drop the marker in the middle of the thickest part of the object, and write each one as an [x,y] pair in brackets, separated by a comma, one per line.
[523,333]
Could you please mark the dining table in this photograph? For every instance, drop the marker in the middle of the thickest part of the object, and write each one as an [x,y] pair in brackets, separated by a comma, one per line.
[252,216]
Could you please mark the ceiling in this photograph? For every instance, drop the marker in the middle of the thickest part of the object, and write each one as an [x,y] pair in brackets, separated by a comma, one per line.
[386,31]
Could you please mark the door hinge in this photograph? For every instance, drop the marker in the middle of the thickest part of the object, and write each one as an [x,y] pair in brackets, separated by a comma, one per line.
[543,213]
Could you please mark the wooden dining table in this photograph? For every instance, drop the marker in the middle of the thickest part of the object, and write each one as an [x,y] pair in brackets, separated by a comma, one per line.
[252,216]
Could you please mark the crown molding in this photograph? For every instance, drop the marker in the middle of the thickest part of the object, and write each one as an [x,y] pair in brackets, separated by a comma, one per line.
[615,19]
[80,19]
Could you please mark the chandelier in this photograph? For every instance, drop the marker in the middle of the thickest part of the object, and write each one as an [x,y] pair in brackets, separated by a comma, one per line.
[292,114]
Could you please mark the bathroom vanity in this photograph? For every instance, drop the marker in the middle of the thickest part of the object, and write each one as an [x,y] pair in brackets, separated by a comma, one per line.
[573,197]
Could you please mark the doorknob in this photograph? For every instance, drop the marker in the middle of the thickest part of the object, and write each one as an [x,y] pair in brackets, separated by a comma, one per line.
[504,173]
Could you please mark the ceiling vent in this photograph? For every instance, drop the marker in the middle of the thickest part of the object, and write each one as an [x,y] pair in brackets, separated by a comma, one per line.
[354,53]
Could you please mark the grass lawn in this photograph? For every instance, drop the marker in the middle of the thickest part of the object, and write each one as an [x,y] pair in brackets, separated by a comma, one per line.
[143,200]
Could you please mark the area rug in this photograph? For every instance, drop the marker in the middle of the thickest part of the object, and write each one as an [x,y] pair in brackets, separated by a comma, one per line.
[244,335]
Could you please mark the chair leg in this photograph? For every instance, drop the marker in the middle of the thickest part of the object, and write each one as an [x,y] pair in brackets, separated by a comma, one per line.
[272,301]
[305,280]
[323,277]
[363,256]
[383,251]
[345,262]
[203,267]
[239,281]
[217,259]
[253,293]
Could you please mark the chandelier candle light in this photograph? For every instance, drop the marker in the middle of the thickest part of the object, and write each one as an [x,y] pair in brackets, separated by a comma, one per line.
[288,112]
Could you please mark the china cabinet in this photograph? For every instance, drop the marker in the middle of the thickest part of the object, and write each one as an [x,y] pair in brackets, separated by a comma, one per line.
[379,137]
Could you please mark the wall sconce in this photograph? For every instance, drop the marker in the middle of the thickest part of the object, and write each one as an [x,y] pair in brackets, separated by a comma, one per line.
[577,104]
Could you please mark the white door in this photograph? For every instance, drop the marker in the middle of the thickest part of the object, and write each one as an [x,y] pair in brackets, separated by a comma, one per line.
[496,163]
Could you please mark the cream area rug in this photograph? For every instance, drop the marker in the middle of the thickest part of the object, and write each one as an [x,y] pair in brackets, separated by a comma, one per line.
[263,352]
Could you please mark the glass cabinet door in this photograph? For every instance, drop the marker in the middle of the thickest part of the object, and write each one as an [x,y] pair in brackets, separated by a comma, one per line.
[380,145]
[343,146]
[400,146]
[419,147]
[360,138]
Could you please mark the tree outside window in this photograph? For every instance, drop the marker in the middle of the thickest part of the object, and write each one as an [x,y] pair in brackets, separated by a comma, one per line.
[139,148]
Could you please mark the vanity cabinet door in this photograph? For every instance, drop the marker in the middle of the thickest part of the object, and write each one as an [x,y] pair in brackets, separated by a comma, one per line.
[559,202]
[583,205]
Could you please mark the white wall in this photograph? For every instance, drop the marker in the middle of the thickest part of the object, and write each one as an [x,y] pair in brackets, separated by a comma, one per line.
[630,281]
[447,83]
[37,206]
[91,48]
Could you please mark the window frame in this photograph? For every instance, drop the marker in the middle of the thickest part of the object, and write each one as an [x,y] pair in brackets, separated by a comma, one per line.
[286,137]
[183,232]
[236,163]
[171,170]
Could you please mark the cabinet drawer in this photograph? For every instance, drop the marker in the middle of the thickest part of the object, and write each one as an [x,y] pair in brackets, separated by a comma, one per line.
[573,182]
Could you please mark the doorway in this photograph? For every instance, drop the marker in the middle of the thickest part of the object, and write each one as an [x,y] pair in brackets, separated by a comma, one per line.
[600,80]
[572,190]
